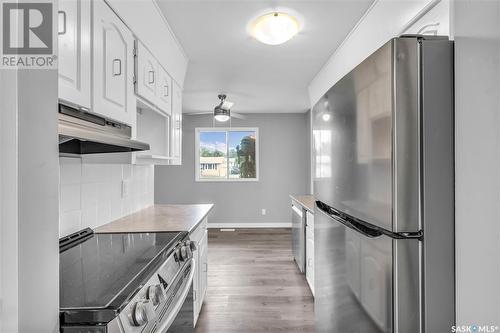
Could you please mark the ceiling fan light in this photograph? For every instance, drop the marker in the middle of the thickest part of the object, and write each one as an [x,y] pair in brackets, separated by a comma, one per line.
[221,117]
[221,114]
[275,28]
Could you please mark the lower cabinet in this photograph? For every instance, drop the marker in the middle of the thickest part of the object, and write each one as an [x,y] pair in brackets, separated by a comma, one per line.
[200,237]
[310,250]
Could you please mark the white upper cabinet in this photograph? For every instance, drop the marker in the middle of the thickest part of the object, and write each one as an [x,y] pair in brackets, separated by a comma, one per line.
[75,52]
[176,125]
[119,59]
[150,26]
[153,82]
[164,90]
[113,66]
[147,73]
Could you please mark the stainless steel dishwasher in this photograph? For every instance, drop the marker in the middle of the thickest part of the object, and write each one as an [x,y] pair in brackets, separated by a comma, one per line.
[298,236]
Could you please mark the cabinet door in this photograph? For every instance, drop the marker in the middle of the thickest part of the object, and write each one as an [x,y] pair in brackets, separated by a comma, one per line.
[164,90]
[176,131]
[113,66]
[196,285]
[203,267]
[147,74]
[74,52]
[310,250]
[310,263]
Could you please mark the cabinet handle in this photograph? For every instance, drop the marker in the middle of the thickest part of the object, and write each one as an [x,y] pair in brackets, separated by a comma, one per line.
[166,91]
[62,15]
[206,268]
[117,67]
[151,77]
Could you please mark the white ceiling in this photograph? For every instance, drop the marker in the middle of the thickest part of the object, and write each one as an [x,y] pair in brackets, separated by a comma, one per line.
[223,57]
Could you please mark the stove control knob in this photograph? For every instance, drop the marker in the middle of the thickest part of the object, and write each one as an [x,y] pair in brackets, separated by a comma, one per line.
[155,294]
[177,254]
[139,315]
[188,250]
[184,253]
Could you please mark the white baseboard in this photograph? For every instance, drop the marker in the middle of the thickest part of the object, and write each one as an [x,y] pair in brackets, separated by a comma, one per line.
[215,225]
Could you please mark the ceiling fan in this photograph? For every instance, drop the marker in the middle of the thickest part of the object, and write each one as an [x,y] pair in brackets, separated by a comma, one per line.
[222,111]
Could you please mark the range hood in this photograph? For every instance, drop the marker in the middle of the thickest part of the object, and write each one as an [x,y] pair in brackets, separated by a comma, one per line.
[85,133]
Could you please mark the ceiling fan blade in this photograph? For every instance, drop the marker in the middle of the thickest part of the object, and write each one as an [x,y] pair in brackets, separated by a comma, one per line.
[238,115]
[198,113]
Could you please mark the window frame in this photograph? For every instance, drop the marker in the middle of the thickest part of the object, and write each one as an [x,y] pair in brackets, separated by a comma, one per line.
[227,130]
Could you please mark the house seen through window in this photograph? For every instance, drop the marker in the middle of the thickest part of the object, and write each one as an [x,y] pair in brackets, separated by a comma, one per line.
[226,154]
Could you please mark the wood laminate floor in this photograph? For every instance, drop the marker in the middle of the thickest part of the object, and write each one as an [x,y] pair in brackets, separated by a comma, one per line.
[254,284]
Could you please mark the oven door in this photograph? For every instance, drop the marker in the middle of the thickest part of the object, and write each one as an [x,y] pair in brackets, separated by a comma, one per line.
[178,317]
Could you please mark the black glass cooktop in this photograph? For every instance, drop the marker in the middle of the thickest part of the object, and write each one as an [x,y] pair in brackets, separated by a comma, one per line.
[105,269]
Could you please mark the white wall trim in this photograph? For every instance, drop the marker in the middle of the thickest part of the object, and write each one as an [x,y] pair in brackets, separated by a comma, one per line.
[419,15]
[251,225]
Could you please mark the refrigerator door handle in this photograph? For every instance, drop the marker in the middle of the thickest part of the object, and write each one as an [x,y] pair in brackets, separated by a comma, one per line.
[367,229]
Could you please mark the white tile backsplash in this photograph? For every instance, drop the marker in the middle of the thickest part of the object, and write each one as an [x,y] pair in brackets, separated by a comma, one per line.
[70,197]
[91,194]
[69,222]
[71,172]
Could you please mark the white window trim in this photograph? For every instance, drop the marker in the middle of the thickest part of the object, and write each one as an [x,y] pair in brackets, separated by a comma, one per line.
[225,129]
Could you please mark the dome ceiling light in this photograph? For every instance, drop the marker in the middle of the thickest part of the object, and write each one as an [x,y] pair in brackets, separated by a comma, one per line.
[275,28]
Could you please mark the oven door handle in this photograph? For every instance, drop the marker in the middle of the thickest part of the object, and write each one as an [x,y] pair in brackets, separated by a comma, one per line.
[177,307]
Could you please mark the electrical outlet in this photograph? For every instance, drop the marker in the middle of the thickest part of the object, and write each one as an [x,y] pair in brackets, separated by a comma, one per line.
[263,211]
[125,188]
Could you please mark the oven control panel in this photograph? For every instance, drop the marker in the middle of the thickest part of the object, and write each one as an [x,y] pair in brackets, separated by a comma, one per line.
[149,305]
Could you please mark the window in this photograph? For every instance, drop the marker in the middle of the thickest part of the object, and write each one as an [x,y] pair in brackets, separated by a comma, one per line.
[227,154]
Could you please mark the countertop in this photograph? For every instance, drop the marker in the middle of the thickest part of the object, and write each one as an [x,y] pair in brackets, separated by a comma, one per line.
[158,218]
[306,201]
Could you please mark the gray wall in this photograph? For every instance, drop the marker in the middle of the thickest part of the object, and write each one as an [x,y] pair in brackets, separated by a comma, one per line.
[477,89]
[283,170]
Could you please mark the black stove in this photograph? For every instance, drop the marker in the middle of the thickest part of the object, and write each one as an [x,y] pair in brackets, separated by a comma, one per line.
[100,274]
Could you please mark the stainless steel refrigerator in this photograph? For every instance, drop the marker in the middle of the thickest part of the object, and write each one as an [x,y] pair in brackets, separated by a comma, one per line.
[383,181]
